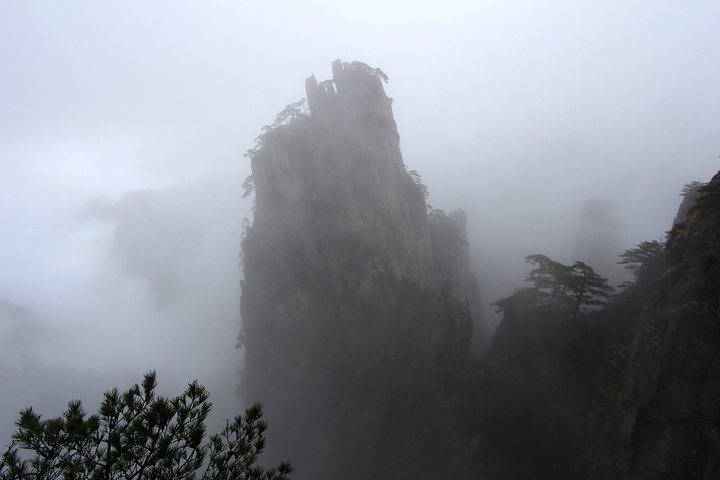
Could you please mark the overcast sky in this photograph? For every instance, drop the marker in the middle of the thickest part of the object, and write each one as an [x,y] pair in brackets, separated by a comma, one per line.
[123,125]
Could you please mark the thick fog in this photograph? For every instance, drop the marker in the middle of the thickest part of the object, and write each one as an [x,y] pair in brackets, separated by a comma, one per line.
[554,125]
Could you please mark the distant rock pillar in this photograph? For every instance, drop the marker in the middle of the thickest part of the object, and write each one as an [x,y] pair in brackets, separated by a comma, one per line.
[338,70]
[312,92]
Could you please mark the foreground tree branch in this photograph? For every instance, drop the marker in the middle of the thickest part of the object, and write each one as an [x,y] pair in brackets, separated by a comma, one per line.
[137,435]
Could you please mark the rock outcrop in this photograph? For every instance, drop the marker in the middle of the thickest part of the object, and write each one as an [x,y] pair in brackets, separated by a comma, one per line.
[669,410]
[631,391]
[451,261]
[357,318]
[352,341]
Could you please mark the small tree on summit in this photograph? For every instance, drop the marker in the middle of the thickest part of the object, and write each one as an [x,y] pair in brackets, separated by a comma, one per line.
[690,188]
[374,72]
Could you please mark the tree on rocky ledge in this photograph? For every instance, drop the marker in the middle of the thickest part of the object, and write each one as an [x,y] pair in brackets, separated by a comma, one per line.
[558,286]
[138,435]
[644,261]
[586,288]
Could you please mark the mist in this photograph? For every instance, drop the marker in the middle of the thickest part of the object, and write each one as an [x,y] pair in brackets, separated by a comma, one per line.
[123,128]
[147,282]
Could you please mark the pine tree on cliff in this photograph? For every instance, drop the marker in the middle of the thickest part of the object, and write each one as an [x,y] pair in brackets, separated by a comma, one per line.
[586,287]
[644,261]
[561,287]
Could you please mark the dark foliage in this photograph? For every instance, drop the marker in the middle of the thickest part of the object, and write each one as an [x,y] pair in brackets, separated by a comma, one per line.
[558,287]
[139,435]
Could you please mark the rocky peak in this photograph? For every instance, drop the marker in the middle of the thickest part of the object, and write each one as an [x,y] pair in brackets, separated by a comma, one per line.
[343,324]
[338,173]
[354,95]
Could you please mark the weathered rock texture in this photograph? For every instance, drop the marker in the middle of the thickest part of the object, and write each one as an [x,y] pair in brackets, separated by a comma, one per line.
[629,392]
[451,261]
[353,340]
[670,405]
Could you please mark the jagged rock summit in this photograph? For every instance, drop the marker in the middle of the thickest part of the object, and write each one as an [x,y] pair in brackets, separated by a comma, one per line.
[352,340]
[340,169]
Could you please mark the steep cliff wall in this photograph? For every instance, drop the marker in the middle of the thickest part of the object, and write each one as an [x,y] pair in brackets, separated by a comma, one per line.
[631,391]
[351,339]
[451,261]
[669,410]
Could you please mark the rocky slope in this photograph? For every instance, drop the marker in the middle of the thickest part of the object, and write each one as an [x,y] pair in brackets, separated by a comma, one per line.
[353,337]
[669,409]
[359,311]
[628,392]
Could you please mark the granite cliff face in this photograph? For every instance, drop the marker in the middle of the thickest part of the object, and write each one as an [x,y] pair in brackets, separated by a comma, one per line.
[669,409]
[451,261]
[352,339]
[359,310]
[631,391]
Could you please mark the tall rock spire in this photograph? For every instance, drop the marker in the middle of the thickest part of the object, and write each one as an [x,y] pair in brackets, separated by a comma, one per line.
[348,341]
